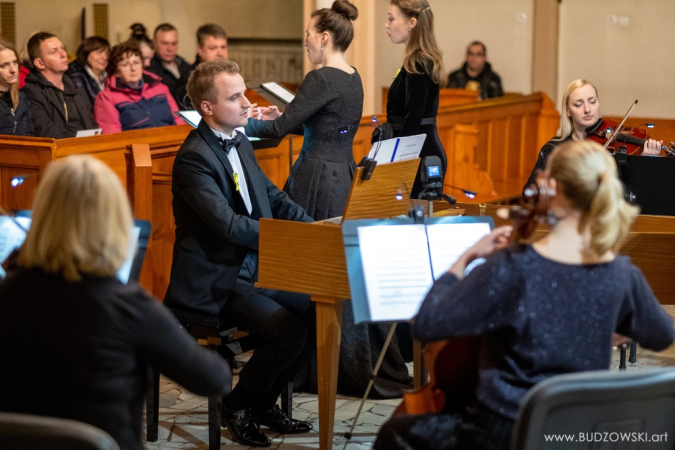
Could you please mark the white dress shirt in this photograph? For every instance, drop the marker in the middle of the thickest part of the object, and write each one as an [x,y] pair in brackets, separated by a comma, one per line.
[238,170]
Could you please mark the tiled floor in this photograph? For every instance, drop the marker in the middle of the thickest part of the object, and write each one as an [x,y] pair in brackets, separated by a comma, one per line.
[183,415]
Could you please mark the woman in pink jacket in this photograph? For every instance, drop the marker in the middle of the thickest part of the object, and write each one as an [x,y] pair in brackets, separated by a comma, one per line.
[133,99]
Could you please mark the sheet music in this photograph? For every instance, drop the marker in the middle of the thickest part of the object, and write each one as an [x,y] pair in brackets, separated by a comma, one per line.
[11,237]
[125,270]
[397,149]
[278,91]
[397,269]
[448,241]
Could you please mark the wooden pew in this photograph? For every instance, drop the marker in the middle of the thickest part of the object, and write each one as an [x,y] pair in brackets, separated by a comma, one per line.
[491,145]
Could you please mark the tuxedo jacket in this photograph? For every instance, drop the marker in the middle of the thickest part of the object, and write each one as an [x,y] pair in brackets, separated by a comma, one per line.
[214,231]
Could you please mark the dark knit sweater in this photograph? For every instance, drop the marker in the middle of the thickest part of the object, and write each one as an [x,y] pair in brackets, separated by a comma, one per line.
[81,351]
[541,318]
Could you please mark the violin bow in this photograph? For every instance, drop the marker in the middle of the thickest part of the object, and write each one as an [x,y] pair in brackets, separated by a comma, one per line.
[616,132]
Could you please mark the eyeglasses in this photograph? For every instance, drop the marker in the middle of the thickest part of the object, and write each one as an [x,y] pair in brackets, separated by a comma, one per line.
[125,64]
[475,54]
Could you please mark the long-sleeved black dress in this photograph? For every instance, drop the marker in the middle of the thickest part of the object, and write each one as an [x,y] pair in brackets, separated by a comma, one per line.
[412,107]
[326,110]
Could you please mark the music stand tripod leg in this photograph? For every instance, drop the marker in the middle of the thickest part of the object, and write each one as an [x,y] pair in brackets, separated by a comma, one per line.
[376,369]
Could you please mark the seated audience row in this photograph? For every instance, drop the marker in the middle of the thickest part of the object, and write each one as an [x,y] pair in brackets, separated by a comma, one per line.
[100,90]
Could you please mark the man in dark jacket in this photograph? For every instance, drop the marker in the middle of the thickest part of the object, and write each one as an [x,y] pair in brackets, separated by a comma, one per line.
[476,74]
[59,110]
[219,195]
[166,64]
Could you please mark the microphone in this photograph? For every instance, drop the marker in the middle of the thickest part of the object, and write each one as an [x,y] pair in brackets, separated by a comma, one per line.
[468,193]
[367,163]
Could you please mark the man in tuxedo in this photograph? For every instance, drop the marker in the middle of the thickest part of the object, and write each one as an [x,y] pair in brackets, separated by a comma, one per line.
[219,194]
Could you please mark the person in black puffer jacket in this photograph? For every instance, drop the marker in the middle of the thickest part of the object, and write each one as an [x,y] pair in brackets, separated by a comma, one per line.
[476,74]
[58,108]
[15,115]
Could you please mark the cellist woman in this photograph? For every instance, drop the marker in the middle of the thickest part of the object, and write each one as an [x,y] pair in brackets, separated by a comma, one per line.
[581,110]
[541,310]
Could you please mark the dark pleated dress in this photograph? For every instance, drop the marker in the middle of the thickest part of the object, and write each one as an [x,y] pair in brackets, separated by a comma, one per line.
[327,101]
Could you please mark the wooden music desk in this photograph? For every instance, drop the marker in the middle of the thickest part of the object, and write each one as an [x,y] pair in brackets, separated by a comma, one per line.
[310,258]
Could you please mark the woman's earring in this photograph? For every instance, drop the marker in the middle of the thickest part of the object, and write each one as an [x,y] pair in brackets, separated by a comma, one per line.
[321,48]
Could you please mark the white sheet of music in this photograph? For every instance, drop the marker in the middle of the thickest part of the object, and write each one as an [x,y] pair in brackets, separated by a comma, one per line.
[448,241]
[397,149]
[397,270]
[11,237]
[279,91]
[397,262]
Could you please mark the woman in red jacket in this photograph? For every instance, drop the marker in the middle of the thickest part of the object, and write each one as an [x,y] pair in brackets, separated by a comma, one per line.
[133,99]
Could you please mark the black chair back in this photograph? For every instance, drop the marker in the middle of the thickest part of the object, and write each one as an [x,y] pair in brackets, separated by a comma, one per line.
[599,410]
[28,432]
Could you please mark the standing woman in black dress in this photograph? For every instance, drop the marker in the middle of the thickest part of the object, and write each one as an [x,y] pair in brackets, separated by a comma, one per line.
[412,102]
[326,110]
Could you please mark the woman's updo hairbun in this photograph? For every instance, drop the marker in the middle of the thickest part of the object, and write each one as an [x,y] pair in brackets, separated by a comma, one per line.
[138,29]
[345,8]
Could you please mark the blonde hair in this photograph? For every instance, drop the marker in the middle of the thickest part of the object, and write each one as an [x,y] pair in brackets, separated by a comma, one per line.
[566,123]
[586,174]
[422,49]
[14,88]
[81,221]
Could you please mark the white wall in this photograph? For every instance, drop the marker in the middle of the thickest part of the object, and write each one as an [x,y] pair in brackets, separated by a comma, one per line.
[630,62]
[504,26]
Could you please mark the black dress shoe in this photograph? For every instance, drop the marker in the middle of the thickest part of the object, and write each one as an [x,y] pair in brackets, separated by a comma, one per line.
[279,421]
[244,428]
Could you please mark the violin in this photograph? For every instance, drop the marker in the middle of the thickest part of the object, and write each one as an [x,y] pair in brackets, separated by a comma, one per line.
[633,138]
[453,363]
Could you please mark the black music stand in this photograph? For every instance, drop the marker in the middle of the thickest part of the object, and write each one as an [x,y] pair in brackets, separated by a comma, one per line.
[651,179]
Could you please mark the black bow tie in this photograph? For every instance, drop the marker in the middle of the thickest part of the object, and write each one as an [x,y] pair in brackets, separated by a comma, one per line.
[229,144]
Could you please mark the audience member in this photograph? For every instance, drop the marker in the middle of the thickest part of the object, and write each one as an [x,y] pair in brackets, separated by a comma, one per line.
[14,108]
[540,310]
[88,70]
[75,342]
[476,74]
[133,99]
[145,44]
[211,44]
[171,68]
[58,108]
[26,64]
[219,194]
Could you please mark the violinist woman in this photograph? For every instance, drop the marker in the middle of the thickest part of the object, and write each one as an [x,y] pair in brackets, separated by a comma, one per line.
[412,101]
[542,310]
[582,112]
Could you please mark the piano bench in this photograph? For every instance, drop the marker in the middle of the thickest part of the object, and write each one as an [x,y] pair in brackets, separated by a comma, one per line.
[221,336]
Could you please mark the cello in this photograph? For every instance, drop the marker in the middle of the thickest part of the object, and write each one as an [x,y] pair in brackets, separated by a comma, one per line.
[453,363]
